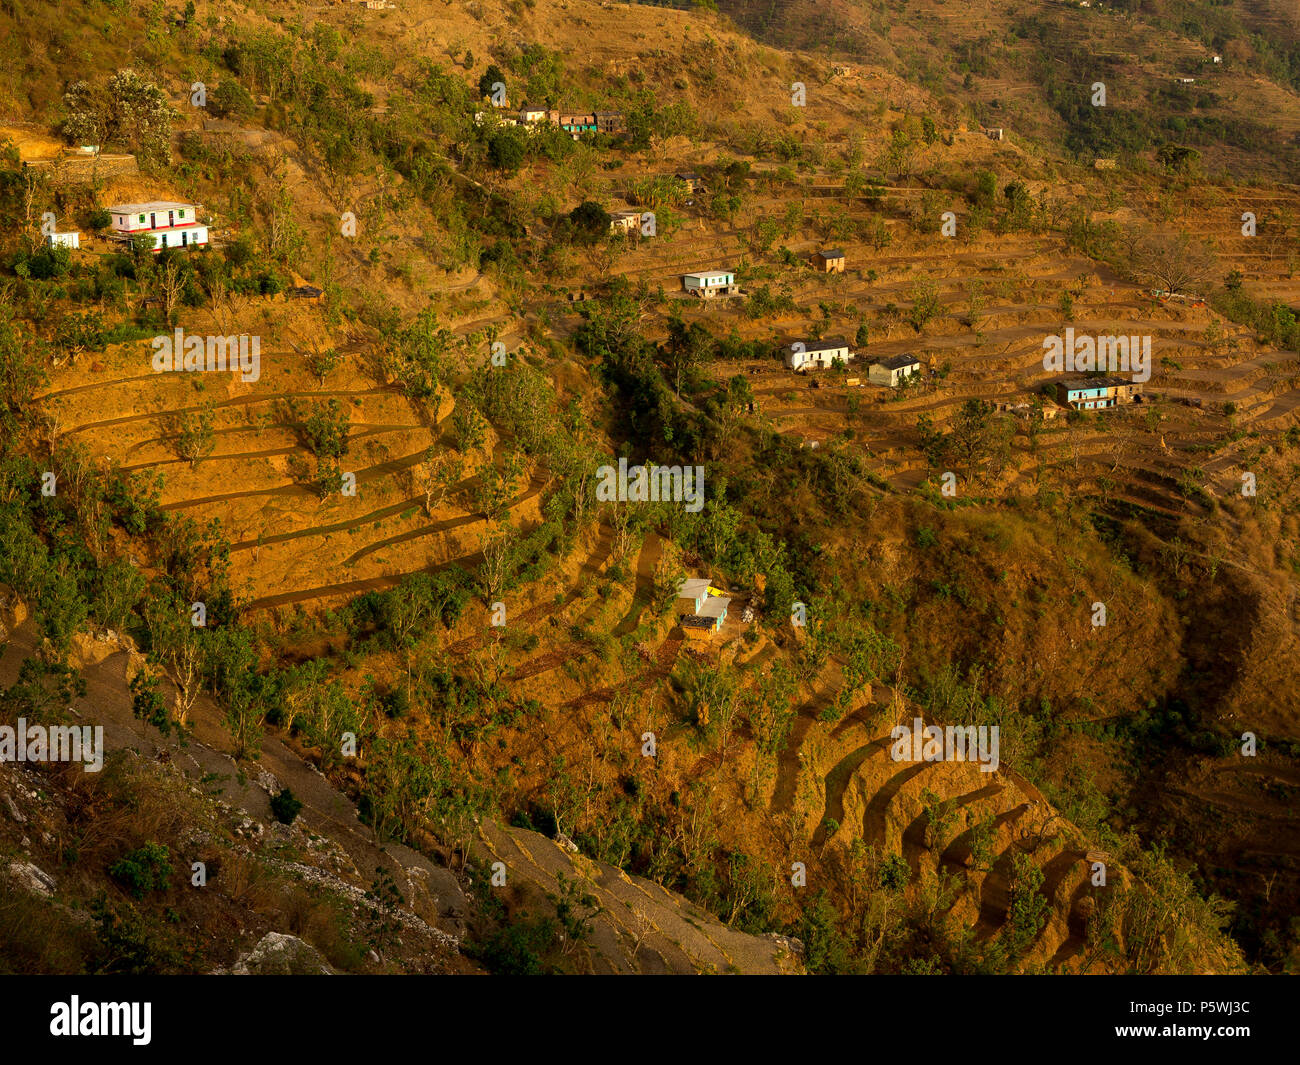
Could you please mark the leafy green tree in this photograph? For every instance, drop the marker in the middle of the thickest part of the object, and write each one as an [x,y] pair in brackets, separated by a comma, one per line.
[61,608]
[326,430]
[506,149]
[1028,910]
[147,702]
[498,485]
[118,588]
[175,646]
[230,98]
[21,373]
[130,111]
[469,425]
[492,76]
[590,223]
[688,347]
[143,870]
[417,354]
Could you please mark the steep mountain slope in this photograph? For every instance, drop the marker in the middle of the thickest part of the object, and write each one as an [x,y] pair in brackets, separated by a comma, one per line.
[498,640]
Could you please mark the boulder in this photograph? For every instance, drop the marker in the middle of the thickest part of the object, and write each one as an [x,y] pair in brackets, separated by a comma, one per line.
[278,954]
[32,878]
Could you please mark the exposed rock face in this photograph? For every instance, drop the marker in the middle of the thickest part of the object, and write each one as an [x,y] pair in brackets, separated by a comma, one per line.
[278,954]
[32,878]
[642,927]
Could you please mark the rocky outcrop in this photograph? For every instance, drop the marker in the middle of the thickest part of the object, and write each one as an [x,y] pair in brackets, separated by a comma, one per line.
[278,954]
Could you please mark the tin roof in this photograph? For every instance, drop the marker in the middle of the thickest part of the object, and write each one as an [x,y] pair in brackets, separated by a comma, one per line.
[828,344]
[897,362]
[1097,382]
[714,606]
[152,205]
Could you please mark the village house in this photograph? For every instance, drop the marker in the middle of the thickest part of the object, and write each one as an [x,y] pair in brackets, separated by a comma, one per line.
[702,609]
[64,240]
[691,594]
[817,354]
[1025,410]
[1103,164]
[624,222]
[1097,393]
[574,123]
[831,261]
[714,608]
[993,134]
[893,372]
[694,182]
[170,224]
[697,629]
[707,284]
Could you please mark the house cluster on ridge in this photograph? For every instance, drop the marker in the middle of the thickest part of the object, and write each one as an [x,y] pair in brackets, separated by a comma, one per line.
[804,355]
[575,123]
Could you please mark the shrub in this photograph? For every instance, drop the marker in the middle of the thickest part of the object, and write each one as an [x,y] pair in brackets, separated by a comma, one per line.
[230,98]
[506,149]
[143,870]
[284,807]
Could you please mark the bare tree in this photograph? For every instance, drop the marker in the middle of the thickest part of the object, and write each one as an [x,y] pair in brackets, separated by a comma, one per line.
[437,475]
[498,560]
[170,276]
[1176,264]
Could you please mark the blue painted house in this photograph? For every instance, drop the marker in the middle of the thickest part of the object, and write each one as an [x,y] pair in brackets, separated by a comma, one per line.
[1096,393]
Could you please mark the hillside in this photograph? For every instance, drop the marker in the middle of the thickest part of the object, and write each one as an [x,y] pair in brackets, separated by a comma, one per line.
[420,615]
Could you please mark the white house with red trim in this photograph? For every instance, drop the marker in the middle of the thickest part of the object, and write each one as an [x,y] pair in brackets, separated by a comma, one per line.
[171,224]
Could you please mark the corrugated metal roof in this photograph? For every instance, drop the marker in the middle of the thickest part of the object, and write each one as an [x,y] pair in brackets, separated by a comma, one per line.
[693,588]
[899,361]
[153,205]
[714,607]
[830,344]
[1098,382]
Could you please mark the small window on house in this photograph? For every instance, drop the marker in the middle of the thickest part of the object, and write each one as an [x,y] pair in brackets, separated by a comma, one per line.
[180,213]
[142,218]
